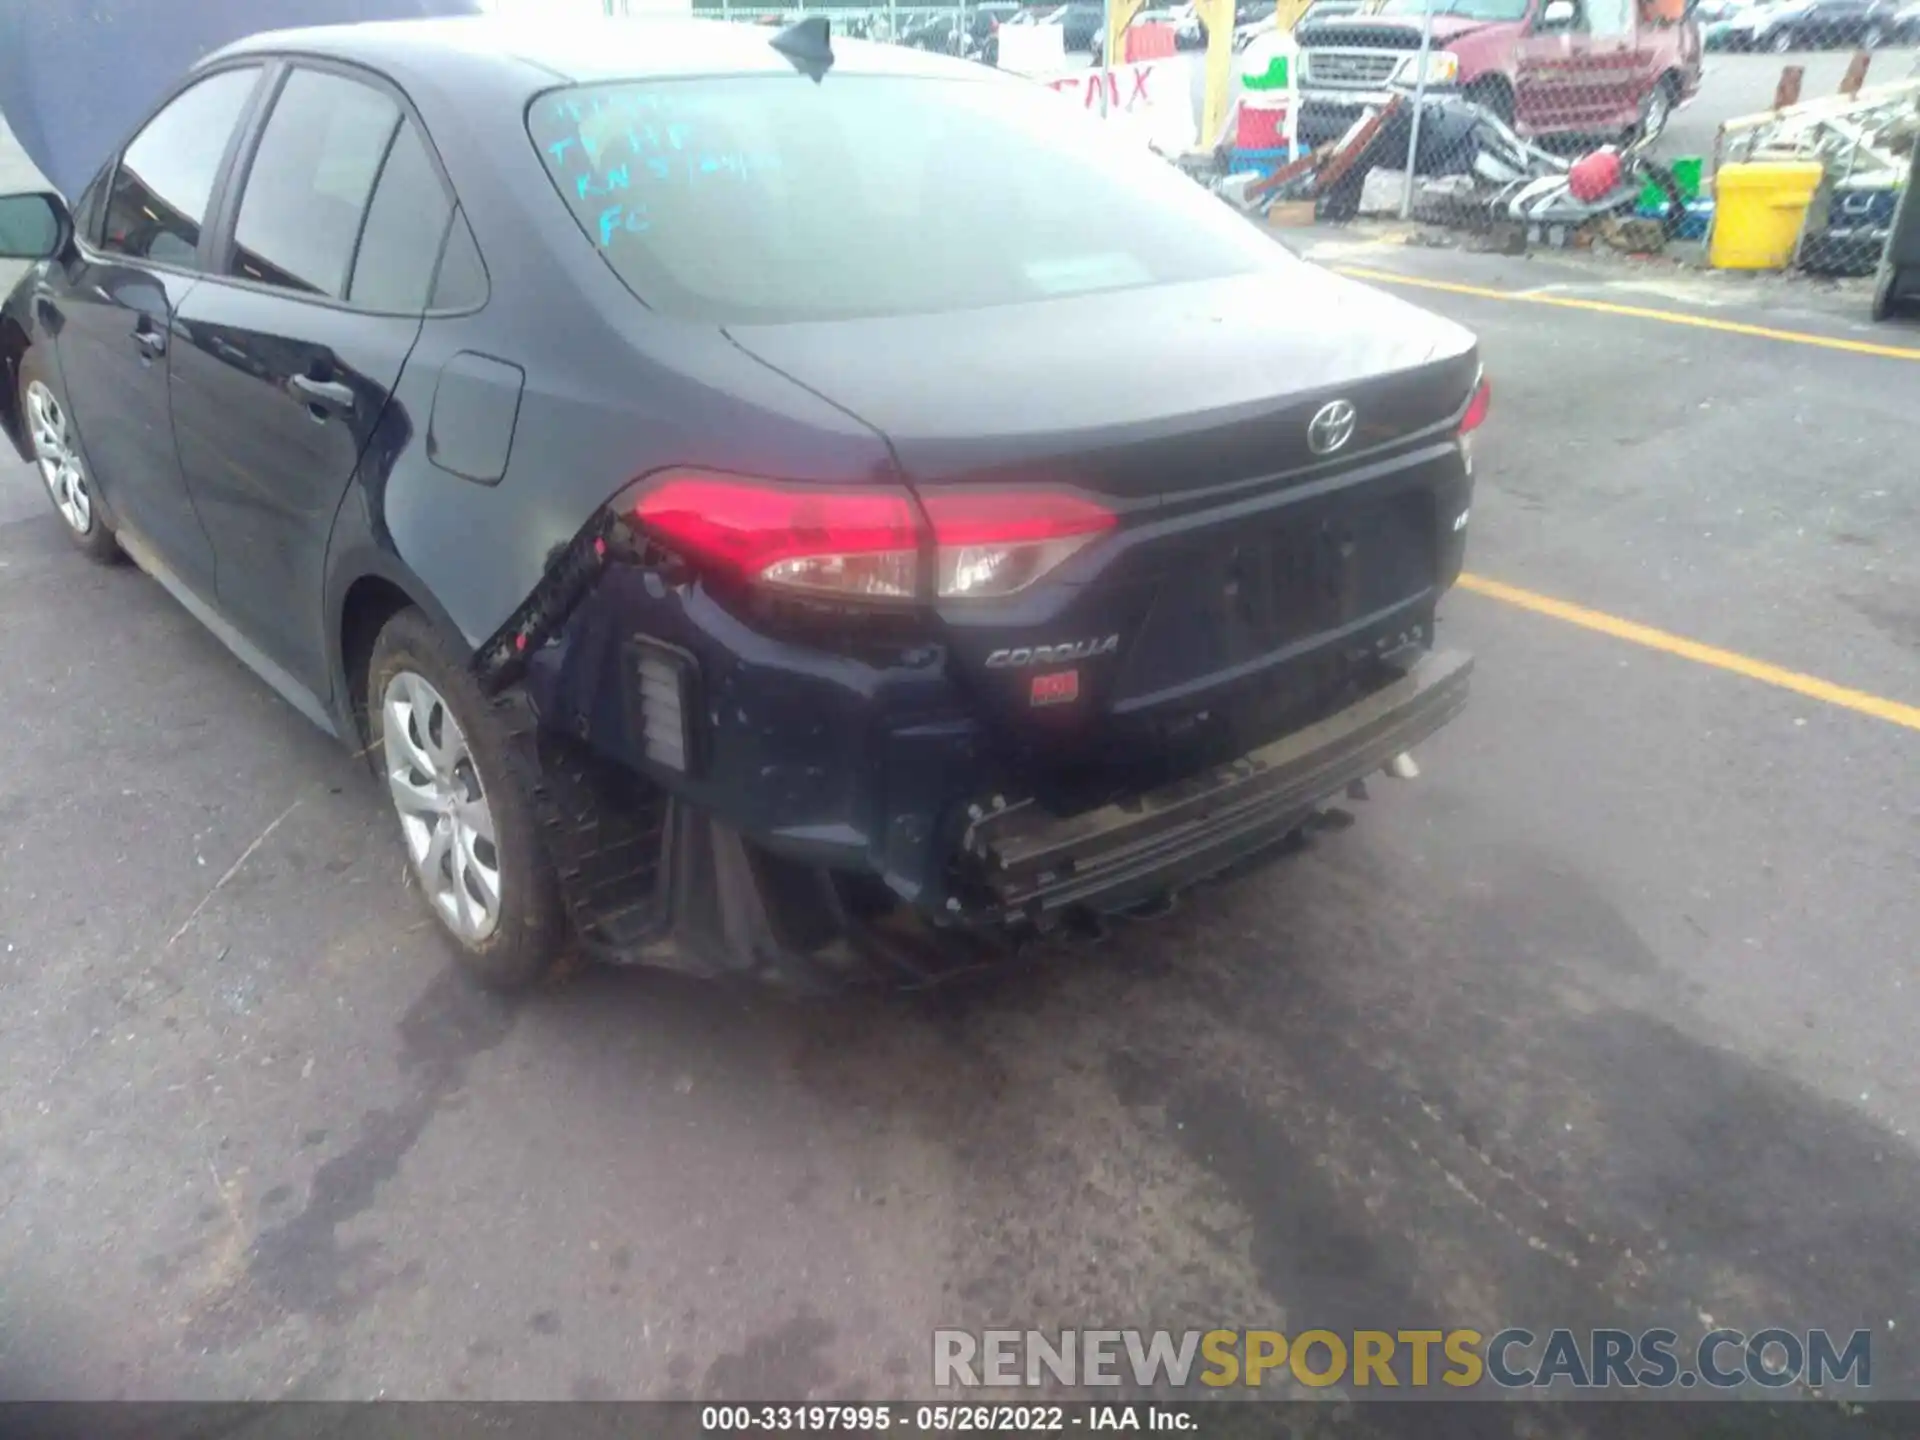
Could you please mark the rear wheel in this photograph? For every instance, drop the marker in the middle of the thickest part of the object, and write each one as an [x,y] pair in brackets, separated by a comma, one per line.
[1873,37]
[1494,94]
[1781,43]
[1656,111]
[466,823]
[56,453]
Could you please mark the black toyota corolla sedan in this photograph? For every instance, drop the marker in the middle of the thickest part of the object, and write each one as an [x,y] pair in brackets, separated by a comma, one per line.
[763,503]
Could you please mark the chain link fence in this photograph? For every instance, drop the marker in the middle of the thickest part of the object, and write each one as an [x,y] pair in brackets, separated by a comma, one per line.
[1775,135]
[1763,134]
[968,30]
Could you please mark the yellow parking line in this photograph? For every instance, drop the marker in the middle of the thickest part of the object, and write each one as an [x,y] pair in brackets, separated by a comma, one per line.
[1634,312]
[1813,688]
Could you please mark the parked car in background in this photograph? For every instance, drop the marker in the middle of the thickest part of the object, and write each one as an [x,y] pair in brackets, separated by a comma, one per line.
[1080,24]
[939,33]
[983,20]
[1725,24]
[1192,31]
[1906,25]
[988,48]
[1572,67]
[1813,25]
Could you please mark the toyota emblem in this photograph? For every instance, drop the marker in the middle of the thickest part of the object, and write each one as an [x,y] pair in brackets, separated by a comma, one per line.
[1331,427]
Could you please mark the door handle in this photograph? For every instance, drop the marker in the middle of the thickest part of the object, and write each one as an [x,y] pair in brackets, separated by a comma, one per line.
[152,343]
[323,397]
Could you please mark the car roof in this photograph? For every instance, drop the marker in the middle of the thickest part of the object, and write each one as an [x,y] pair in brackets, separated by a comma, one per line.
[578,51]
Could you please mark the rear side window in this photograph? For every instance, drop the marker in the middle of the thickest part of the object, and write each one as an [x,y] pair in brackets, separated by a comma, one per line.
[311,178]
[771,198]
[158,200]
[462,281]
[406,224]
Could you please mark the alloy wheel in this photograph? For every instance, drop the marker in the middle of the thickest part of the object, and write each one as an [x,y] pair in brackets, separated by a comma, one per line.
[444,814]
[1659,110]
[59,458]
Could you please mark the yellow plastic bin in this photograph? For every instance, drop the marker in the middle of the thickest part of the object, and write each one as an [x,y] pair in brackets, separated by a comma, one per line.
[1757,214]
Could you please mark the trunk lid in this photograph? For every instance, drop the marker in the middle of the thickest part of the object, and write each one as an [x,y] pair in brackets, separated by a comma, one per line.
[1241,559]
[1143,397]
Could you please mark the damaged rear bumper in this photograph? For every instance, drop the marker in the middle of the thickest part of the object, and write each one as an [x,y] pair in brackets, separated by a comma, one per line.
[1035,865]
[725,798]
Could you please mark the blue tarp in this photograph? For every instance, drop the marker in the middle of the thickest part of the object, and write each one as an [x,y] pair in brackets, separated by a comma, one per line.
[77,75]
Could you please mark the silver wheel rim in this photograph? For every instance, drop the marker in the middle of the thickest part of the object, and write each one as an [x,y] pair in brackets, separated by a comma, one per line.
[58,458]
[1782,43]
[1657,108]
[444,814]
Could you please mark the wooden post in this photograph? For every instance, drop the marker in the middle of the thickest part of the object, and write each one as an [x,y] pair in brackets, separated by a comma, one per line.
[1788,91]
[1856,75]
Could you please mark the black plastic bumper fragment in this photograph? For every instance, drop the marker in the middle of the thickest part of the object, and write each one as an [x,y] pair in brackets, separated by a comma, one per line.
[570,576]
[1033,864]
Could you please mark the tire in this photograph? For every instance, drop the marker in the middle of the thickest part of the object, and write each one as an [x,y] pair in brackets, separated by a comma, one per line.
[1495,95]
[1873,37]
[62,466]
[1656,111]
[466,770]
[1781,43]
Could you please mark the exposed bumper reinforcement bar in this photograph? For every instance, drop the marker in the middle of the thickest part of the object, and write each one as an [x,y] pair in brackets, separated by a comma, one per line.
[1116,857]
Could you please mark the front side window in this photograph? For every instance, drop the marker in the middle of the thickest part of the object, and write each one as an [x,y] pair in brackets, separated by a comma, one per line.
[771,198]
[1609,18]
[164,181]
[312,176]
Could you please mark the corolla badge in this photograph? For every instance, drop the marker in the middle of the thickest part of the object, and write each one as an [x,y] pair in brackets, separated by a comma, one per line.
[1052,654]
[1331,427]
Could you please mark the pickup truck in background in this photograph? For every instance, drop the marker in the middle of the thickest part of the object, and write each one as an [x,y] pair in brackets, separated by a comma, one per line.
[1546,67]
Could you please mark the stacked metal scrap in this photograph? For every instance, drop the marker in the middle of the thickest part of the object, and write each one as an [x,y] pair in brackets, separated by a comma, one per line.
[1865,144]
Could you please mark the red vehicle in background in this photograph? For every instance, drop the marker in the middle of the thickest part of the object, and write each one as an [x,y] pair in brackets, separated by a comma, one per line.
[1546,67]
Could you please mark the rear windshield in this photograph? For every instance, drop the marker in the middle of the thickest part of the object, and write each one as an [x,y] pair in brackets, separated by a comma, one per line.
[772,198]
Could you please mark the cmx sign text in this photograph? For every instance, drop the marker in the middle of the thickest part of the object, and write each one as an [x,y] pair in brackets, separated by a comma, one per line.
[1723,1360]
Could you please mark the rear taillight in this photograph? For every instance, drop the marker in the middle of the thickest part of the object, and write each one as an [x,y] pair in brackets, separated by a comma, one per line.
[996,542]
[1477,407]
[851,542]
[868,541]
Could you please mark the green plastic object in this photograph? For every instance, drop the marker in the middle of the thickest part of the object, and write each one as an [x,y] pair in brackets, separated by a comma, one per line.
[1275,77]
[1687,172]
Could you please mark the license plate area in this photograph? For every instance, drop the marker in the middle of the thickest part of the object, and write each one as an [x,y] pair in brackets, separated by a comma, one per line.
[1324,569]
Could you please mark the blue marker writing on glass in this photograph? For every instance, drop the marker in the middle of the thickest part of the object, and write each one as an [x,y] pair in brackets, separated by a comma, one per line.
[616,218]
[617,179]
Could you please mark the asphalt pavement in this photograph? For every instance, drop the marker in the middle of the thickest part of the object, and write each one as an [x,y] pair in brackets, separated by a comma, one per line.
[1603,1020]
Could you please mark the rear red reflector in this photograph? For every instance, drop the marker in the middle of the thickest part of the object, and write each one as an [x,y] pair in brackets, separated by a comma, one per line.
[1058,689]
[1477,408]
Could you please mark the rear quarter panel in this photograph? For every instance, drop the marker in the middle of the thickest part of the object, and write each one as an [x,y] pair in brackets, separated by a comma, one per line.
[613,390]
